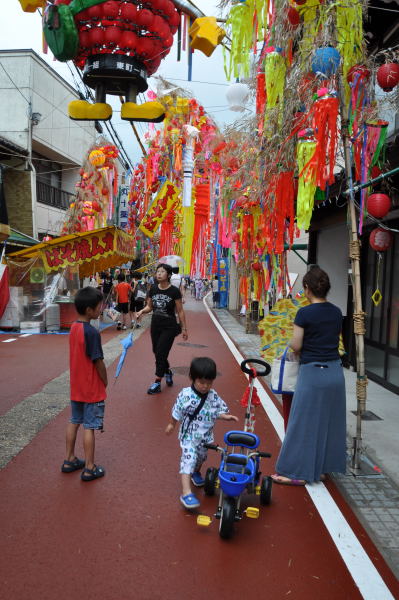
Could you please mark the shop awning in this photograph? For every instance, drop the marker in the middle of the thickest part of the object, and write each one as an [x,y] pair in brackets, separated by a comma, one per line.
[93,251]
[16,238]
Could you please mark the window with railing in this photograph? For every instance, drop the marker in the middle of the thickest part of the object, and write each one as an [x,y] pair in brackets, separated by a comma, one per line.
[52,196]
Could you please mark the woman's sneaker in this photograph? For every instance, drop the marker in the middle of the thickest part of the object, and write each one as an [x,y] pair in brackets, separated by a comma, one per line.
[154,388]
[169,378]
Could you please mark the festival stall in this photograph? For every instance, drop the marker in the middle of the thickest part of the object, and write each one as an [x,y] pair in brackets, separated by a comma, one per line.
[50,273]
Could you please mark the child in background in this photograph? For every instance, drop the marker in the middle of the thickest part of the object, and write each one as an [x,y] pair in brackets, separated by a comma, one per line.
[88,377]
[197,408]
[122,295]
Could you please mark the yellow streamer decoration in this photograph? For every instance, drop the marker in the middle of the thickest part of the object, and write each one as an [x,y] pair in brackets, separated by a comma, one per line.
[349,37]
[275,69]
[187,231]
[306,184]
[243,35]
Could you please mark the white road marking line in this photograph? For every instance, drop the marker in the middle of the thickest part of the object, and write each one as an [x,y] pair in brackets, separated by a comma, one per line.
[25,334]
[9,340]
[365,575]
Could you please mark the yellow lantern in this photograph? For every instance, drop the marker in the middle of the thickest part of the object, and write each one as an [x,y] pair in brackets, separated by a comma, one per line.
[32,5]
[97,158]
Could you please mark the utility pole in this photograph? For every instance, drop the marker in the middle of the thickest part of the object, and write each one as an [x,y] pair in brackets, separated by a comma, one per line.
[358,314]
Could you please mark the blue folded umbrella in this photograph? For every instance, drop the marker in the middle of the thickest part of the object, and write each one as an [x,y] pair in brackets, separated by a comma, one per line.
[126,343]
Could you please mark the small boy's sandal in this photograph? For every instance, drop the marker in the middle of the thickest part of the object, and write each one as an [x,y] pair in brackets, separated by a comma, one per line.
[68,466]
[189,501]
[95,473]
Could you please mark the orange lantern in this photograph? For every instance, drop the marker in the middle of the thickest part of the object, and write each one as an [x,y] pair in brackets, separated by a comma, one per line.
[97,158]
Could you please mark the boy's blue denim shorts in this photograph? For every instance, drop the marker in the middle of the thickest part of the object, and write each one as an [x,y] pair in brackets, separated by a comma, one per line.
[88,414]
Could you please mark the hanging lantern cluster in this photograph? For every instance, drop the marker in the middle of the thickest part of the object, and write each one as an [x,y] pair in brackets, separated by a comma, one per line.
[122,27]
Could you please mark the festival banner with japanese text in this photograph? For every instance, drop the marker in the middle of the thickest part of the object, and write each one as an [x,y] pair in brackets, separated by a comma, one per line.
[163,203]
[99,249]
[223,278]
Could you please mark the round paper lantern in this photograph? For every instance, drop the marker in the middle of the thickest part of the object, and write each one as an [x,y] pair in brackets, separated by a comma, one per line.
[95,12]
[257,266]
[293,17]
[128,12]
[110,9]
[96,36]
[97,158]
[378,205]
[358,72]
[388,76]
[326,61]
[129,40]
[144,18]
[112,35]
[237,96]
[84,39]
[380,239]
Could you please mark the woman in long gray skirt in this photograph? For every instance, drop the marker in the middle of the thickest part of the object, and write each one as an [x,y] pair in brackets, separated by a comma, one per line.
[315,440]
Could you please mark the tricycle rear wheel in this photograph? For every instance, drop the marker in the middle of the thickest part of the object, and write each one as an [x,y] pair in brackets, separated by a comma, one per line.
[227,518]
[211,476]
[266,490]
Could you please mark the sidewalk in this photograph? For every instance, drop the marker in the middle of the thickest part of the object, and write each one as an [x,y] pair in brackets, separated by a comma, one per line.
[374,498]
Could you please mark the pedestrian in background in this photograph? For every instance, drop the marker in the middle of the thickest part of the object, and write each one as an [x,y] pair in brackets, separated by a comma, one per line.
[88,382]
[197,408]
[215,291]
[178,281]
[315,440]
[138,297]
[164,300]
[122,296]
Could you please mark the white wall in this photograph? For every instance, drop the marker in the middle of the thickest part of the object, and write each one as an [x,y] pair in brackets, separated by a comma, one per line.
[296,265]
[332,256]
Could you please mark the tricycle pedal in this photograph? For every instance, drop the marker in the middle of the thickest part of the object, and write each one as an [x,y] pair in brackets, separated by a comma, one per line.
[204,520]
[257,490]
[252,512]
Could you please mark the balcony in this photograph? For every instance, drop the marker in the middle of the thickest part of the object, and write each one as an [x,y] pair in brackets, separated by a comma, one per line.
[52,196]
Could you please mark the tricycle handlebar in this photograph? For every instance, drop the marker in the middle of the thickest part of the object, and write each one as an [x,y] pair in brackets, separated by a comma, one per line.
[255,361]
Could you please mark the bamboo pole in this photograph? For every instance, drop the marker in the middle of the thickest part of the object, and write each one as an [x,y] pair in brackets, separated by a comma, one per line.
[358,314]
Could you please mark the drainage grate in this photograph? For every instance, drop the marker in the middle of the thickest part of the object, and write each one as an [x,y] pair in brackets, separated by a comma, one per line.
[188,345]
[368,416]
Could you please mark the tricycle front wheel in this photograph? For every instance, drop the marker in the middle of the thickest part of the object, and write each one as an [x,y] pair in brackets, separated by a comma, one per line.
[266,490]
[227,517]
[211,476]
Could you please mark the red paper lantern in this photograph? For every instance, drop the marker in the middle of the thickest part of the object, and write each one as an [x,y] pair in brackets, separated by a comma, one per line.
[128,12]
[144,18]
[380,239]
[145,47]
[388,76]
[112,35]
[257,266]
[129,40]
[378,205]
[84,39]
[95,12]
[96,36]
[361,71]
[293,16]
[110,9]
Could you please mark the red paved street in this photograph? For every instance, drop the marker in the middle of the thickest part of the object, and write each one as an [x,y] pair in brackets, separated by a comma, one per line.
[126,536]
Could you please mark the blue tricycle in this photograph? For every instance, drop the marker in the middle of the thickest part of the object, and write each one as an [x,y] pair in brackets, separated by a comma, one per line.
[240,466]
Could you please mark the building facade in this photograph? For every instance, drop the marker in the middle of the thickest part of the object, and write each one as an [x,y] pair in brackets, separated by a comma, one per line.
[41,149]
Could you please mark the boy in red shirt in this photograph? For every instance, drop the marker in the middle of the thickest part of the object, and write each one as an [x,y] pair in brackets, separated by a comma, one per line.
[88,378]
[122,293]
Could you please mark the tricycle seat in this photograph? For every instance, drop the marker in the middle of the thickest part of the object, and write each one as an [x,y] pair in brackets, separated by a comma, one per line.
[244,439]
[236,462]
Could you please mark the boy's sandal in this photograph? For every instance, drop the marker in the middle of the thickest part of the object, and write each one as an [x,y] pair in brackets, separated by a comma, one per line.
[68,466]
[189,501]
[197,479]
[280,479]
[94,473]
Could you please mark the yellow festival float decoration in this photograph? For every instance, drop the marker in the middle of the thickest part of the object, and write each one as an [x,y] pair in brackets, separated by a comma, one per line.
[163,203]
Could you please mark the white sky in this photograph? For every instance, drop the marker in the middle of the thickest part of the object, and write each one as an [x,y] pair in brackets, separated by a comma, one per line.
[19,30]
